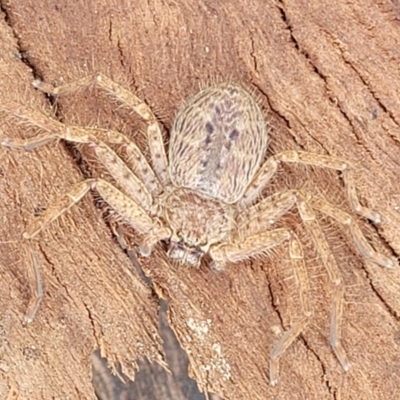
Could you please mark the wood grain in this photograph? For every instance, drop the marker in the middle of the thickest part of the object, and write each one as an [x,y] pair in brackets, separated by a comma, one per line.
[327,74]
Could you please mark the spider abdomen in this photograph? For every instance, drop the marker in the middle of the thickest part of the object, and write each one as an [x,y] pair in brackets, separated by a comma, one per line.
[218,141]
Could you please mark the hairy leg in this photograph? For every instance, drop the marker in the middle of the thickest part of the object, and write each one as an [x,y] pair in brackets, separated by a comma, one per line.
[128,99]
[127,208]
[269,168]
[271,209]
[258,218]
[54,130]
[259,244]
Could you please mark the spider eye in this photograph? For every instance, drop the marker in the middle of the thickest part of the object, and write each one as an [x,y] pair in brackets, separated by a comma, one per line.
[176,251]
[193,257]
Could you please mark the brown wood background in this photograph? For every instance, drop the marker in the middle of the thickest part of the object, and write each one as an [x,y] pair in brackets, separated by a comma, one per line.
[152,381]
[328,75]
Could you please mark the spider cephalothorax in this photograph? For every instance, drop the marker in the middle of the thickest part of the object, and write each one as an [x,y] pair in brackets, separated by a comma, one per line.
[201,198]
[197,222]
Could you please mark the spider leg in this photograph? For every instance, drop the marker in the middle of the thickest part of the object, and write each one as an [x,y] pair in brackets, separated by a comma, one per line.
[255,220]
[36,289]
[56,130]
[338,164]
[136,216]
[306,203]
[358,237]
[128,99]
[55,210]
[258,244]
[308,216]
[253,223]
[125,178]
[114,164]
[126,207]
[269,168]
[263,176]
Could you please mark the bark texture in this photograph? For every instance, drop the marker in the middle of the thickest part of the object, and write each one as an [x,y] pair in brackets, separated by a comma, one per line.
[327,74]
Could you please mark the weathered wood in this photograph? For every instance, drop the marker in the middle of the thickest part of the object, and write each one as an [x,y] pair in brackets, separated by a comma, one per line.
[327,74]
[152,382]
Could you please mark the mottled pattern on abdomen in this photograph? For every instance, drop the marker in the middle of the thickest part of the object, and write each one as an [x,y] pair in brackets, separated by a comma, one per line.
[218,142]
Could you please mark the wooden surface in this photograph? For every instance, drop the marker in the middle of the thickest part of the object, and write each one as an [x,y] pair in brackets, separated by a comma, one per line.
[327,74]
[152,382]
